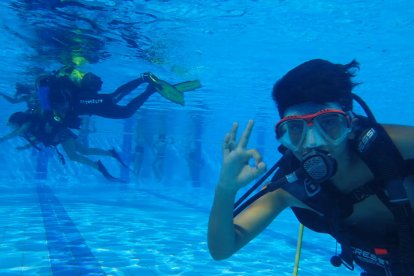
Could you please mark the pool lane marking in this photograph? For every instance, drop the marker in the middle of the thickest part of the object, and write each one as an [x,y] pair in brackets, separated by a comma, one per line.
[69,253]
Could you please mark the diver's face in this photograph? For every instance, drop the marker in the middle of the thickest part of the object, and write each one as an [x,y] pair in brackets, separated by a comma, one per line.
[309,126]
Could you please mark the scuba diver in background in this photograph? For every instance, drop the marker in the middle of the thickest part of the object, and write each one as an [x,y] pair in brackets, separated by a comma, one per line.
[63,96]
[40,132]
[159,149]
[341,173]
[69,99]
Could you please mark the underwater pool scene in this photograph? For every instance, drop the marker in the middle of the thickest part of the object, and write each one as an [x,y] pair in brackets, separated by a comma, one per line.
[60,216]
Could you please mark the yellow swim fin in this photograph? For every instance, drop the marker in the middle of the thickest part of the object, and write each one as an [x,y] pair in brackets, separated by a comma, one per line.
[167,90]
[187,85]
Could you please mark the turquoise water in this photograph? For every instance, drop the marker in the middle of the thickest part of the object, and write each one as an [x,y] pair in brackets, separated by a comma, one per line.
[68,220]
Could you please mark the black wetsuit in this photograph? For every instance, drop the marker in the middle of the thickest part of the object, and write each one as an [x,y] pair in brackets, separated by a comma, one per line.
[105,105]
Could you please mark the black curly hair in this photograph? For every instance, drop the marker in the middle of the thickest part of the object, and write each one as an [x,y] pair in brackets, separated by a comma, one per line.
[317,81]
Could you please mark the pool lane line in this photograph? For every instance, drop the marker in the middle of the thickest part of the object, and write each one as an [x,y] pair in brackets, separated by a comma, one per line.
[68,252]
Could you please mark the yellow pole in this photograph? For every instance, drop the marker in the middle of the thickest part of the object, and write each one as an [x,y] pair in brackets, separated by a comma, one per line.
[298,249]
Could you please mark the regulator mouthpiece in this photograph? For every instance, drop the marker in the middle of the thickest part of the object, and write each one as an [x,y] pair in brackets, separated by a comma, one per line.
[319,165]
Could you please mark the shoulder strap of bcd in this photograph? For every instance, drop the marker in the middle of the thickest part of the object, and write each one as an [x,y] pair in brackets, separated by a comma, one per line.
[383,158]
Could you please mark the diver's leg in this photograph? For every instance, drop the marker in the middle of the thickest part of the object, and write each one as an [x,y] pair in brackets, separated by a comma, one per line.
[70,147]
[91,151]
[108,109]
[138,101]
[126,88]
[97,151]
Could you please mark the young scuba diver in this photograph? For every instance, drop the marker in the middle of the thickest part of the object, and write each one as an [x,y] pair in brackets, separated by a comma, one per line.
[40,132]
[341,173]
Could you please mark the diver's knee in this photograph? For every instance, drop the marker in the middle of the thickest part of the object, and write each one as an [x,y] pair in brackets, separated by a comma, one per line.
[73,156]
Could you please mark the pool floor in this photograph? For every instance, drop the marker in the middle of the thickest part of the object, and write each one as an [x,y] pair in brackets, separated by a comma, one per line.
[133,231]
